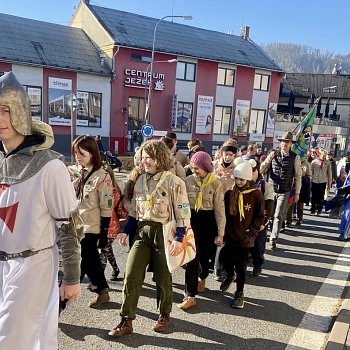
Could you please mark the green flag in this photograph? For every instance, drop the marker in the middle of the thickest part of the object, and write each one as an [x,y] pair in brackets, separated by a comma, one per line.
[303,137]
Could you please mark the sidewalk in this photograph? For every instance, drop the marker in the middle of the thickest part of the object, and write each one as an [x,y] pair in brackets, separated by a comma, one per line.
[339,338]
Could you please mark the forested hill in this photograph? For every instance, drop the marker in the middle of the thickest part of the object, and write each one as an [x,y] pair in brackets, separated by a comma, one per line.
[294,58]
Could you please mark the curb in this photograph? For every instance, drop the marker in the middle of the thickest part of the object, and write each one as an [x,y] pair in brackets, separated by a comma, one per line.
[340,334]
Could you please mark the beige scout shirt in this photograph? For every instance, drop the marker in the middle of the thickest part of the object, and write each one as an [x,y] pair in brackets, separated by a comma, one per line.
[213,199]
[96,200]
[171,194]
[225,174]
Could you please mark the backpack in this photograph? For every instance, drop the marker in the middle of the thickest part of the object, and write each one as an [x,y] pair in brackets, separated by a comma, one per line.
[118,212]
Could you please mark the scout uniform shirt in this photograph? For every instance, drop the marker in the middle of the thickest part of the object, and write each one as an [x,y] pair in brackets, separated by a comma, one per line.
[224,173]
[96,199]
[213,198]
[156,195]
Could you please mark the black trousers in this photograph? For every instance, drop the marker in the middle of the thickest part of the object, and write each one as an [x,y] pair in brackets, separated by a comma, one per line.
[235,260]
[318,191]
[91,262]
[258,251]
[205,230]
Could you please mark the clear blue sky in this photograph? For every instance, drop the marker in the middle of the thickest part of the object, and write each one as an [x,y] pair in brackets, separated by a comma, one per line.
[320,24]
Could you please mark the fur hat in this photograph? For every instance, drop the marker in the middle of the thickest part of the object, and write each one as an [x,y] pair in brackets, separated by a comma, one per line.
[202,160]
[244,169]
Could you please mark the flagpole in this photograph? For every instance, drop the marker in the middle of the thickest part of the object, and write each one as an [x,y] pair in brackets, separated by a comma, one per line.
[315,103]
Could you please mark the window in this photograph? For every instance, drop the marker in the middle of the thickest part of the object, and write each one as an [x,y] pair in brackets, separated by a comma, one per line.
[140,58]
[222,120]
[183,121]
[261,82]
[256,123]
[226,77]
[35,96]
[89,108]
[136,117]
[186,71]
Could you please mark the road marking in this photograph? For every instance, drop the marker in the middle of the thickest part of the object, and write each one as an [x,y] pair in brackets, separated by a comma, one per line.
[311,332]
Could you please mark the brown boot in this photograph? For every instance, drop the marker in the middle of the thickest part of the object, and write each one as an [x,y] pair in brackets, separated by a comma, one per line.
[102,298]
[123,328]
[201,286]
[162,324]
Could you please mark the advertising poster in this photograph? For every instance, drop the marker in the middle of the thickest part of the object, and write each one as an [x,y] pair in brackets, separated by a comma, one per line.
[60,94]
[271,120]
[35,102]
[83,108]
[241,117]
[204,118]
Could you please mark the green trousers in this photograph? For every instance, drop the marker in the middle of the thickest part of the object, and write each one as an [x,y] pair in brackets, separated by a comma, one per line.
[148,246]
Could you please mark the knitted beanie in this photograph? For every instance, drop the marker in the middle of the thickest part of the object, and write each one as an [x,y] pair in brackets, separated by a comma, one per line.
[202,160]
[244,169]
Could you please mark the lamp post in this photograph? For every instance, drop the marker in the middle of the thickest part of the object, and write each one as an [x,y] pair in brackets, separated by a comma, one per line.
[152,61]
[148,87]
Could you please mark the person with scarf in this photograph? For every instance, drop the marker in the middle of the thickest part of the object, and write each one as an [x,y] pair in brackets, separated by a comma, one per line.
[36,200]
[244,208]
[205,195]
[94,191]
[321,179]
[159,196]
[223,167]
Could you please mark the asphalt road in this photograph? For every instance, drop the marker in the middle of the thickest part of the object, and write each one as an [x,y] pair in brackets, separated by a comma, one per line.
[290,306]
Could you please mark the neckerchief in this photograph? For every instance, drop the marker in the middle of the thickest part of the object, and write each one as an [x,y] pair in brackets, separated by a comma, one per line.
[240,202]
[149,197]
[321,162]
[201,185]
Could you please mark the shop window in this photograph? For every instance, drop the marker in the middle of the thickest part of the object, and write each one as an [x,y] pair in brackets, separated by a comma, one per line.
[185,71]
[35,96]
[89,110]
[183,122]
[261,82]
[257,119]
[136,115]
[226,77]
[222,120]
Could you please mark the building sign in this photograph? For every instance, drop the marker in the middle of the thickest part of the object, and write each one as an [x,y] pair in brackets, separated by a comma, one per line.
[174,112]
[141,79]
[60,95]
[323,141]
[256,137]
[89,109]
[271,119]
[204,118]
[241,117]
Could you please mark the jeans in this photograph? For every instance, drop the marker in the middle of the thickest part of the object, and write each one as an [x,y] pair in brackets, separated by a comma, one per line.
[281,201]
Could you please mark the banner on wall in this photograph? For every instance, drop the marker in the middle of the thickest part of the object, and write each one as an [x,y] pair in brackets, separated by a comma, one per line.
[241,117]
[60,95]
[271,119]
[204,118]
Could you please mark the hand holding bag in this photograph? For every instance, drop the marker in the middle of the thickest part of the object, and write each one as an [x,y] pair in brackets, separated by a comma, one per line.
[188,249]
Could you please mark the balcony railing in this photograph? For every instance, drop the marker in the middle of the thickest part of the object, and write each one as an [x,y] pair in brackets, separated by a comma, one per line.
[290,118]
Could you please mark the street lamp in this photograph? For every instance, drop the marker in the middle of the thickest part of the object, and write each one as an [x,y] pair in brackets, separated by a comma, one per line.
[149,85]
[152,61]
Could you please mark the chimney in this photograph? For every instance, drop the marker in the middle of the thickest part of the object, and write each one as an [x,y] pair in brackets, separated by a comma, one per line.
[102,59]
[245,32]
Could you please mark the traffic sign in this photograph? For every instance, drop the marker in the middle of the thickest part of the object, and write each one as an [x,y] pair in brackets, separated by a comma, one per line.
[147,130]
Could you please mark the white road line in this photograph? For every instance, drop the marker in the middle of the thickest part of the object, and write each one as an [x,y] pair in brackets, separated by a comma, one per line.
[311,332]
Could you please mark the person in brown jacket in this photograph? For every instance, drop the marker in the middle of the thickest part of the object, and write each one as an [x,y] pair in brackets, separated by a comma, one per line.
[244,207]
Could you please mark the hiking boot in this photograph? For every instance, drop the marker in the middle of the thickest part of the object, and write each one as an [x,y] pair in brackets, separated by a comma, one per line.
[115,275]
[123,328]
[162,324]
[187,303]
[257,271]
[102,298]
[201,286]
[226,284]
[273,245]
[238,300]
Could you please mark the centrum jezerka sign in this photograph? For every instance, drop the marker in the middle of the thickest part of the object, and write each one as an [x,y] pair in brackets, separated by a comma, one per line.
[141,79]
